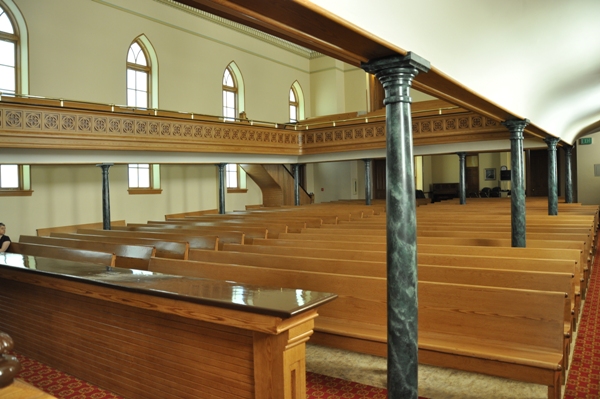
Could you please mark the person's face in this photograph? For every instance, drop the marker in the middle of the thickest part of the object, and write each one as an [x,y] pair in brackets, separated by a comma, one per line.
[2,230]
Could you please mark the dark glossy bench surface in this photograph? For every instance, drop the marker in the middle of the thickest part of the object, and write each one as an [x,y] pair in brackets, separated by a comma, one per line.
[274,301]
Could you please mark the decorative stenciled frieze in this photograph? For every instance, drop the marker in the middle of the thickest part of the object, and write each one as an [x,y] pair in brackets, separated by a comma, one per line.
[59,120]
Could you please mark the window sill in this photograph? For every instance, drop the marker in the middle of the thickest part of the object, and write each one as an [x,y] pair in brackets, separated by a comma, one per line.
[237,190]
[16,193]
[144,191]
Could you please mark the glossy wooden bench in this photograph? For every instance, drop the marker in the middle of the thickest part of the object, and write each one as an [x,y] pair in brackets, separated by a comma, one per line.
[127,255]
[50,251]
[164,248]
[357,319]
[143,335]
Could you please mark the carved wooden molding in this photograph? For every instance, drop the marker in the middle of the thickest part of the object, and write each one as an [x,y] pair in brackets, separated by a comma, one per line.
[40,127]
[27,126]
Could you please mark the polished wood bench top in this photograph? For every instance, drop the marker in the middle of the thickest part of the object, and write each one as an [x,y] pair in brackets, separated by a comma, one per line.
[271,301]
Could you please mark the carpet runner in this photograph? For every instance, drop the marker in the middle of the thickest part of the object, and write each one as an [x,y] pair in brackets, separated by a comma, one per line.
[65,386]
[584,373]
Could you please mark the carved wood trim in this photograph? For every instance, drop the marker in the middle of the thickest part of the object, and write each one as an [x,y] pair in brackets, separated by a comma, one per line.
[51,126]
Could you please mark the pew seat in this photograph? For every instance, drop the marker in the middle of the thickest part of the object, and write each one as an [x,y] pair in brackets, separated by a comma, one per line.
[71,254]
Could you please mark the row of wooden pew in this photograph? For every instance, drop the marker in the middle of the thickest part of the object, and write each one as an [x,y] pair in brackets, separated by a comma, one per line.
[483,306]
[554,262]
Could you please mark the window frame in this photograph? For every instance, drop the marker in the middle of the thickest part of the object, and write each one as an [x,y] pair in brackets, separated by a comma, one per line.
[230,89]
[24,187]
[154,180]
[13,38]
[240,182]
[147,69]
[295,104]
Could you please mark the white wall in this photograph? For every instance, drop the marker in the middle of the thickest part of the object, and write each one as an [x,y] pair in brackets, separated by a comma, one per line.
[68,195]
[333,181]
[75,54]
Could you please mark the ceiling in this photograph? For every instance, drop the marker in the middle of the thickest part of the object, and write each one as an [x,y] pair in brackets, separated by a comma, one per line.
[534,59]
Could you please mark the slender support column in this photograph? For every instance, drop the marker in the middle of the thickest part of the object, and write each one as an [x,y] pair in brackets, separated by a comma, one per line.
[367,181]
[396,75]
[517,179]
[296,171]
[462,179]
[221,167]
[552,176]
[568,174]
[105,196]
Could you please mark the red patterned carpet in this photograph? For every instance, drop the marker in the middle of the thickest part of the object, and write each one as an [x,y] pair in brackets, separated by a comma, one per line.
[65,386]
[584,372]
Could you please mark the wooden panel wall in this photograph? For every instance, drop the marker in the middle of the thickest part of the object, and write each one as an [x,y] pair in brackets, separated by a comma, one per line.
[134,352]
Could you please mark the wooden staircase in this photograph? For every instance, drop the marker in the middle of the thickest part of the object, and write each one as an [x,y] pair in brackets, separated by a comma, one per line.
[276,183]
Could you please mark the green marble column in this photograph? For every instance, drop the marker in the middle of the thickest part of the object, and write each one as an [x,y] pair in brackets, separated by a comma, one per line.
[396,75]
[552,176]
[296,171]
[105,196]
[568,174]
[462,179]
[367,181]
[517,180]
[221,167]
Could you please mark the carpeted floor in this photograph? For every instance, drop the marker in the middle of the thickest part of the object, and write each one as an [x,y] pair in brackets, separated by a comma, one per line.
[584,372]
[64,386]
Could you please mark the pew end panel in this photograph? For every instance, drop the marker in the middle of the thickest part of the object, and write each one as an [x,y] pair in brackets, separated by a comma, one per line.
[232,350]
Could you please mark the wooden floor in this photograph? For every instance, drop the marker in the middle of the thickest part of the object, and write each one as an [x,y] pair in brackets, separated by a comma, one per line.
[21,390]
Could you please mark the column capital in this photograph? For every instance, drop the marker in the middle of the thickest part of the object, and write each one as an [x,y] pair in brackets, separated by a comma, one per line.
[516,127]
[105,165]
[461,154]
[568,148]
[397,71]
[410,60]
[551,142]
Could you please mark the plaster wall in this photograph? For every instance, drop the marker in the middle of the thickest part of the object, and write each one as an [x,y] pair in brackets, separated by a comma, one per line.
[74,54]
[69,195]
[333,181]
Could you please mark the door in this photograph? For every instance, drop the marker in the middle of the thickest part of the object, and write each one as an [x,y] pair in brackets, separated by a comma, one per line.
[379,180]
[536,173]
[472,177]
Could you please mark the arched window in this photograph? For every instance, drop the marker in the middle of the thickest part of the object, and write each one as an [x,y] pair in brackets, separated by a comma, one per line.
[230,95]
[138,76]
[12,57]
[233,92]
[293,106]
[296,103]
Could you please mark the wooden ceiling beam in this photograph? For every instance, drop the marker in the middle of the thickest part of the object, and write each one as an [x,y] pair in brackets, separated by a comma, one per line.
[308,25]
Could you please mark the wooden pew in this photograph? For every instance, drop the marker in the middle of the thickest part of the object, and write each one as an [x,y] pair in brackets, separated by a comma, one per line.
[223,234]
[127,256]
[71,254]
[72,229]
[193,213]
[524,341]
[319,261]
[158,337]
[194,240]
[164,248]
[271,230]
